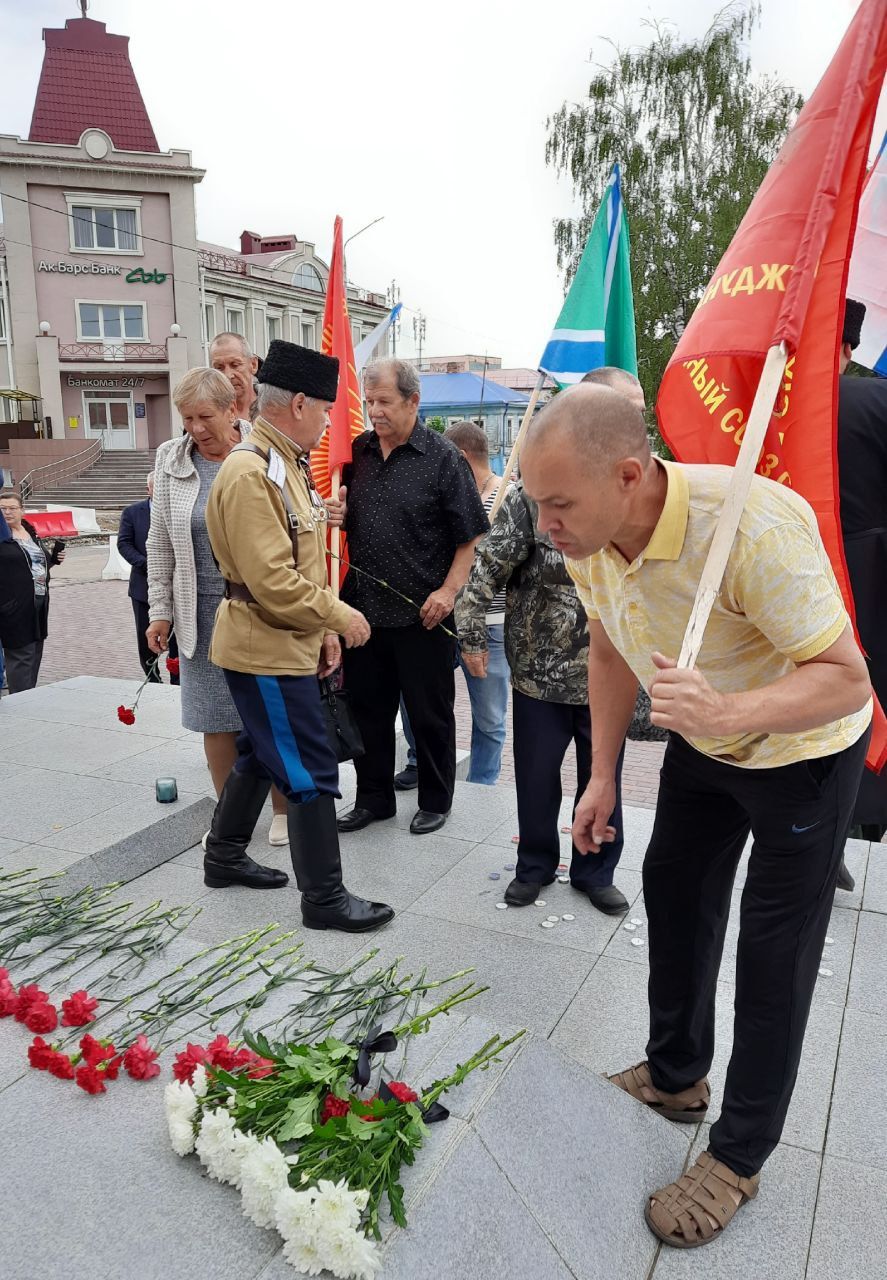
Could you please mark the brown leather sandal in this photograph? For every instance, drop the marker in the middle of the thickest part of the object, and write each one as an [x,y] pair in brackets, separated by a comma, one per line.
[687,1107]
[681,1214]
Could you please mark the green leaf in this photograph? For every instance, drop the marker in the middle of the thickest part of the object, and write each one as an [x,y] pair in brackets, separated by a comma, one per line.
[361,1129]
[299,1118]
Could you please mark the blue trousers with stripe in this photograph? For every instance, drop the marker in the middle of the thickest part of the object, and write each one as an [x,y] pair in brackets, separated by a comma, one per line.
[284,734]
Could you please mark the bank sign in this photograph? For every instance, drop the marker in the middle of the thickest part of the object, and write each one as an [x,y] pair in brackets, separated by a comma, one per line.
[138,275]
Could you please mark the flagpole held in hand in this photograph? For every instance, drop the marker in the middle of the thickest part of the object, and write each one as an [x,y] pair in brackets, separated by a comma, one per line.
[516,447]
[734,504]
[335,540]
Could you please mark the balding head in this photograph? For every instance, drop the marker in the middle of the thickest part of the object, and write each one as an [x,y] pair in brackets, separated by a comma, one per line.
[586,459]
[618,380]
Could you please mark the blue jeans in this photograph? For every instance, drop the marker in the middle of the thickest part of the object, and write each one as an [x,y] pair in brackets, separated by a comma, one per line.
[489,707]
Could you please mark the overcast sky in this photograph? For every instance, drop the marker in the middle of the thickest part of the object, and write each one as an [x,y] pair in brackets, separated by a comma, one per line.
[432,115]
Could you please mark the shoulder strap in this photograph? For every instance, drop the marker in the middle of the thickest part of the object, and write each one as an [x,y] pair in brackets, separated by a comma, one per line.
[292,518]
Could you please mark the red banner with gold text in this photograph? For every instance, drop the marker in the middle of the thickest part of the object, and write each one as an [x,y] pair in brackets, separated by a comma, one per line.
[783,279]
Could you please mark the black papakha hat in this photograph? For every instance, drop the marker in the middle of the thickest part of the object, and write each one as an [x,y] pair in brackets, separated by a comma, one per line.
[296,368]
[854,314]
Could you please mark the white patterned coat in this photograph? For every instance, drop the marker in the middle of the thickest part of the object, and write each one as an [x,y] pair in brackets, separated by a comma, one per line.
[172,573]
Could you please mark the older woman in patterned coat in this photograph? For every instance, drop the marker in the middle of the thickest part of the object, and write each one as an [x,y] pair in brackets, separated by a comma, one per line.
[184,584]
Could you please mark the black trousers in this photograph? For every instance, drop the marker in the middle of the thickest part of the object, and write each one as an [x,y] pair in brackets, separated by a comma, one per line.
[418,664]
[799,816]
[146,657]
[543,732]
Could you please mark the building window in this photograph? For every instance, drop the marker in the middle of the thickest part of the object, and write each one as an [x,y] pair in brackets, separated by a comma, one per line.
[111,321]
[307,277]
[104,226]
[273,325]
[233,321]
[308,334]
[209,321]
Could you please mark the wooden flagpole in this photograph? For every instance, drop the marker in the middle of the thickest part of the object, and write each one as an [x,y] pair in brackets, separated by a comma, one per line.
[516,447]
[335,542]
[734,503]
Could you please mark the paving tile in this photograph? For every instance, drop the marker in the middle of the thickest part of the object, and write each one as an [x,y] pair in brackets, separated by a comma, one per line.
[36,808]
[105,1190]
[868,980]
[875,898]
[569,1143]
[181,758]
[530,983]
[850,1229]
[768,1238]
[95,706]
[858,1118]
[466,895]
[476,811]
[7,847]
[857,857]
[68,749]
[466,1038]
[396,867]
[133,811]
[39,857]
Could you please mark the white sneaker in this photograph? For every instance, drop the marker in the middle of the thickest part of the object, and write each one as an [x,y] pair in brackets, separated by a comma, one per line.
[204,839]
[279,833]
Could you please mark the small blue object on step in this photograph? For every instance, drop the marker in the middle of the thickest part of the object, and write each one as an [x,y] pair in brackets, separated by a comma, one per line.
[166,790]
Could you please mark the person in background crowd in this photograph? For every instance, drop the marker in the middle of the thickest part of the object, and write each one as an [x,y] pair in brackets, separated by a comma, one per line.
[413,517]
[25,565]
[546,646]
[489,696]
[862,477]
[132,543]
[768,737]
[183,581]
[230,354]
[276,631]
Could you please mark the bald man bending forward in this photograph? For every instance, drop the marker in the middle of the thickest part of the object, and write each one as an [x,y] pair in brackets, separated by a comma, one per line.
[768,737]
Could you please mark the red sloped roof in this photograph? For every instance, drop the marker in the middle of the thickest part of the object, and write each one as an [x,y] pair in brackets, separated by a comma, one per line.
[87,82]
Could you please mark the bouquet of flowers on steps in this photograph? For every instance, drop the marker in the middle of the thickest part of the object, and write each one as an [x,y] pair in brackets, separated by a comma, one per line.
[292,1126]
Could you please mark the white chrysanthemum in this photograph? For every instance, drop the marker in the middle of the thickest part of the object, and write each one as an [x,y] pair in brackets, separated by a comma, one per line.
[219,1147]
[293,1213]
[263,1175]
[348,1253]
[243,1145]
[302,1252]
[180,1100]
[181,1135]
[199,1080]
[336,1206]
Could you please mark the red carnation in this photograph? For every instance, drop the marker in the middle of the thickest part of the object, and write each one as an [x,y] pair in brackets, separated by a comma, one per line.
[60,1066]
[78,1009]
[41,1017]
[4,974]
[402,1091]
[8,999]
[90,1078]
[94,1052]
[172,666]
[333,1106]
[261,1067]
[222,1053]
[111,1068]
[27,996]
[40,1053]
[186,1062]
[126,715]
[140,1060]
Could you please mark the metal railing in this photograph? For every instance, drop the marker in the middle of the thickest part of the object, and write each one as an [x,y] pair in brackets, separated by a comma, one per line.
[112,351]
[54,473]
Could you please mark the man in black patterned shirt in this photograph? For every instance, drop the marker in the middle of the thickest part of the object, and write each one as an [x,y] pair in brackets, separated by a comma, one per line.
[413,517]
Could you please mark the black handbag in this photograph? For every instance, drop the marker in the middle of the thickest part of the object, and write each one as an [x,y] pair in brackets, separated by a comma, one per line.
[341,727]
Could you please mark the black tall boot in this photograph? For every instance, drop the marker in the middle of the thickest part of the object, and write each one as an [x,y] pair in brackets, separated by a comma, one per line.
[314,848]
[225,861]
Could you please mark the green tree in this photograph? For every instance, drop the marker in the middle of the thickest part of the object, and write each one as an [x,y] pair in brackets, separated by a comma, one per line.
[694,132]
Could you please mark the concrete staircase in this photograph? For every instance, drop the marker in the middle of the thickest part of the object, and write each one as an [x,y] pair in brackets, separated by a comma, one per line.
[115,481]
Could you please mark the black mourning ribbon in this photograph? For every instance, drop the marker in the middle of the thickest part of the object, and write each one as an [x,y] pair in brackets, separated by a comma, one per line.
[431,1115]
[378,1041]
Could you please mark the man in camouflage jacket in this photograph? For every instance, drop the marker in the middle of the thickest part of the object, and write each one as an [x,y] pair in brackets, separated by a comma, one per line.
[546,643]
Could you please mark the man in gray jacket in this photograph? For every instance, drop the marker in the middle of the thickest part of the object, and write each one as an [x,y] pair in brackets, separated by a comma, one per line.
[546,643]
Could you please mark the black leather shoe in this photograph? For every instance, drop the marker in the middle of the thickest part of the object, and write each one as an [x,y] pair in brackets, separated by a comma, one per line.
[356,819]
[407,779]
[424,822]
[314,847]
[845,879]
[608,899]
[521,893]
[242,870]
